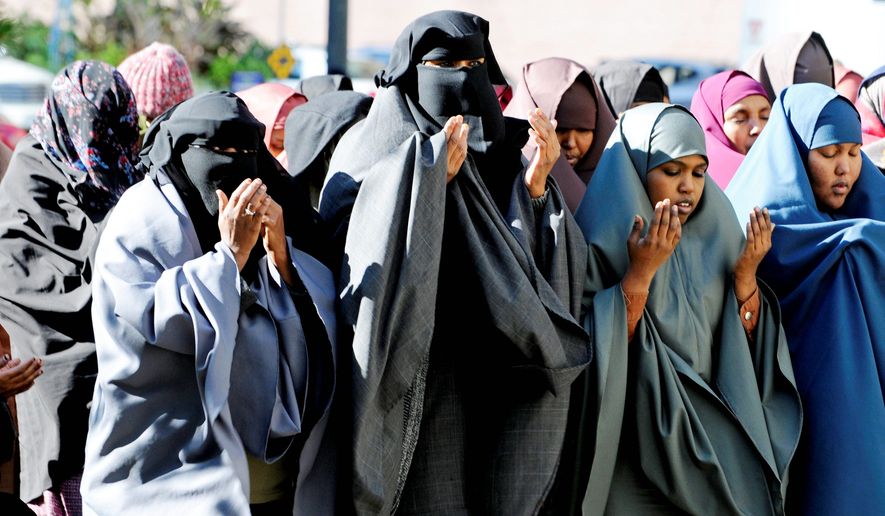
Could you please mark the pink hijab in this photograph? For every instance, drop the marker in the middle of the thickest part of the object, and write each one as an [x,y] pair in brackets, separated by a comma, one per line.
[271,103]
[545,84]
[714,96]
[847,81]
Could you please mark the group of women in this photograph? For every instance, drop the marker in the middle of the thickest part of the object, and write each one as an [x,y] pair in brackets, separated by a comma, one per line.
[586,301]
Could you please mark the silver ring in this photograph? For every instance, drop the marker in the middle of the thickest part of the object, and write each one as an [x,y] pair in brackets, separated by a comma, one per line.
[249,212]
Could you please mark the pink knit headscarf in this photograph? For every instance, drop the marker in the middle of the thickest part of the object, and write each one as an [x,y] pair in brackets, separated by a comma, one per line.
[159,77]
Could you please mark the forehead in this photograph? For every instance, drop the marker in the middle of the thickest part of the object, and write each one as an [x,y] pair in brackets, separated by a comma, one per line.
[691,161]
[752,102]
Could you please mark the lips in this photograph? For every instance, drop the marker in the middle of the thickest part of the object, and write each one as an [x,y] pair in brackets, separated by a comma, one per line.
[685,206]
[841,188]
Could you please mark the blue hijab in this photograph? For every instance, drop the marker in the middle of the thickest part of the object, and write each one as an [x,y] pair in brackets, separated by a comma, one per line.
[828,269]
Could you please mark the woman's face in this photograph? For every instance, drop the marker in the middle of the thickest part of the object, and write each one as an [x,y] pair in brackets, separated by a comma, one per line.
[832,171]
[574,143]
[681,181]
[744,120]
[277,139]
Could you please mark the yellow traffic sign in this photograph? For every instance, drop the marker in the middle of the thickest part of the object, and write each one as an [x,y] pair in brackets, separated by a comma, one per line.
[281,61]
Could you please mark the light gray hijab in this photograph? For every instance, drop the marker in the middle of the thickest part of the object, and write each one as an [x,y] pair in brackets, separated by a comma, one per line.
[695,278]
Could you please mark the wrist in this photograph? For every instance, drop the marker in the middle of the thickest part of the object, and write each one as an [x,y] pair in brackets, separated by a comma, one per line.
[536,187]
[636,281]
[744,287]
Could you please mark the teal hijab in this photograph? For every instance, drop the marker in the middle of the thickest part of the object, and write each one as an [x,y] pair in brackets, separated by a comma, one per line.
[691,415]
[694,281]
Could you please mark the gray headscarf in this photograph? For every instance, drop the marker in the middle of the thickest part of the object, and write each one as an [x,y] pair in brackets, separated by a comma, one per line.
[795,58]
[625,82]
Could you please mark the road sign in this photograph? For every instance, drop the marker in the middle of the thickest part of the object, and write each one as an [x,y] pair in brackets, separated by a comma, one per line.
[281,61]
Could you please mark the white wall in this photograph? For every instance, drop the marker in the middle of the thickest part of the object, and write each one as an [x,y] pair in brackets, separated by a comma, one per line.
[852,29]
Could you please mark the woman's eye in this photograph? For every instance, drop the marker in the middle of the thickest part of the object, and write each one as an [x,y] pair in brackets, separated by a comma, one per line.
[671,171]
[475,63]
[738,120]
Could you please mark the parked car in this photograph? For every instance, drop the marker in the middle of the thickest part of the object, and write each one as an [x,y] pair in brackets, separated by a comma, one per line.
[362,64]
[23,87]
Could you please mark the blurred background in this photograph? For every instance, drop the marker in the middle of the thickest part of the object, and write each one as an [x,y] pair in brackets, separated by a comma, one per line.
[233,44]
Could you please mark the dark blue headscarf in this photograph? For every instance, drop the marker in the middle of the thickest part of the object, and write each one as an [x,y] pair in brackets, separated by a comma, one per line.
[828,269]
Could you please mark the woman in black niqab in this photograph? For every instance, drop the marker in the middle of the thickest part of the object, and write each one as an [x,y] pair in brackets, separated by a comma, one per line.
[201,154]
[436,93]
[461,279]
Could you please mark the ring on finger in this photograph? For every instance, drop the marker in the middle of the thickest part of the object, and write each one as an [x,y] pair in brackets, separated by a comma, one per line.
[248,211]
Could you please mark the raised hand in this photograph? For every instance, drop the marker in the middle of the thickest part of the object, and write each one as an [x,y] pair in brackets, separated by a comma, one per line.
[239,218]
[543,133]
[649,252]
[273,234]
[759,230]
[456,143]
[17,376]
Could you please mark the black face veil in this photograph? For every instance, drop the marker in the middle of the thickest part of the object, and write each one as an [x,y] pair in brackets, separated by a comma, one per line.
[212,142]
[436,94]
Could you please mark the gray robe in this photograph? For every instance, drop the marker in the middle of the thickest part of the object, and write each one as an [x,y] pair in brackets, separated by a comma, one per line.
[465,335]
[691,416]
[195,368]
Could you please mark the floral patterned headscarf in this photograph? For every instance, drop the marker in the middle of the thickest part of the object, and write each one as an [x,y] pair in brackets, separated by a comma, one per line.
[88,126]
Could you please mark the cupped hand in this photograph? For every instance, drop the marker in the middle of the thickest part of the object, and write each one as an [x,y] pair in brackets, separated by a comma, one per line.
[17,376]
[647,253]
[543,134]
[238,218]
[759,231]
[456,144]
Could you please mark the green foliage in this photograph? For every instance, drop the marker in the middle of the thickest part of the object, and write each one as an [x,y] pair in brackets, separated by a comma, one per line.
[201,30]
[223,66]
[26,39]
[112,53]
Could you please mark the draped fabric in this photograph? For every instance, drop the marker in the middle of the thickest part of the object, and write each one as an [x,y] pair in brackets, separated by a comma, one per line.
[827,270]
[847,81]
[465,340]
[63,179]
[199,362]
[622,81]
[196,367]
[544,84]
[691,415]
[313,130]
[794,58]
[271,103]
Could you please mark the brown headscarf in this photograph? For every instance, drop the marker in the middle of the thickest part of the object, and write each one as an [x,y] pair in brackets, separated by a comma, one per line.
[566,92]
[795,58]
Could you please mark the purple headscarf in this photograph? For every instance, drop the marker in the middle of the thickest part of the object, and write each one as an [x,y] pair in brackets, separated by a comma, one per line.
[714,96]
[88,126]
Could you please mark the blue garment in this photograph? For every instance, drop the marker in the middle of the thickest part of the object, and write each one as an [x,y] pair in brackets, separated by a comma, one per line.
[828,269]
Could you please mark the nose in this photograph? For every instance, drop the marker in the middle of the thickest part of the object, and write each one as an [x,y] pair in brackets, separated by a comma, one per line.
[569,141]
[686,185]
[842,166]
[756,126]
